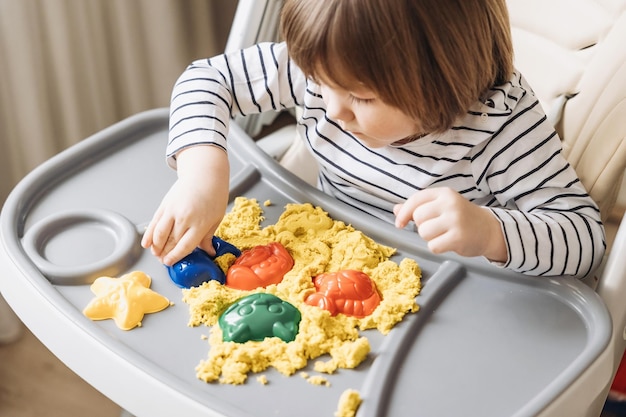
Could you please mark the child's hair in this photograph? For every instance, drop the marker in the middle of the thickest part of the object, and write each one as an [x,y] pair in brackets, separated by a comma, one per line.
[430,58]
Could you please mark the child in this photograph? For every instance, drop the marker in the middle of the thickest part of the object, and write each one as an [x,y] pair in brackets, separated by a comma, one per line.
[413,111]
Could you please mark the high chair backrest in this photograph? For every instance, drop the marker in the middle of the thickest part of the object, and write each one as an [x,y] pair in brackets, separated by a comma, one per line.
[572,53]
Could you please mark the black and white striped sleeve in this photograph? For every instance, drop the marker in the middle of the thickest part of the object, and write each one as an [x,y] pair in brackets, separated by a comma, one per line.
[212,91]
[550,223]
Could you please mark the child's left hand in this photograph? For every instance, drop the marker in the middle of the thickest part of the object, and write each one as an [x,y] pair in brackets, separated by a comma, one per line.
[449,222]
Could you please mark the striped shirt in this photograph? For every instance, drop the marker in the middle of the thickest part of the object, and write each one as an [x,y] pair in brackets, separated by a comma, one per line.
[502,154]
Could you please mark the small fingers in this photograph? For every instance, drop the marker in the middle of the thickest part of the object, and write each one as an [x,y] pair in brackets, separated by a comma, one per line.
[163,237]
[443,242]
[403,215]
[431,228]
[177,249]
[412,208]
[207,245]
[147,238]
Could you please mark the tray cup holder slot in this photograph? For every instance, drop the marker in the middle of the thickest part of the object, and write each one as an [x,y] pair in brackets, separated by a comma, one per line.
[76,247]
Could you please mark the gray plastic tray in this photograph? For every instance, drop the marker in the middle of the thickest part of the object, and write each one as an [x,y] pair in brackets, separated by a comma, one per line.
[486,342]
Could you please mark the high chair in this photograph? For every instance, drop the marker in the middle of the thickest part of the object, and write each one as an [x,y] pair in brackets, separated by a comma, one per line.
[477,324]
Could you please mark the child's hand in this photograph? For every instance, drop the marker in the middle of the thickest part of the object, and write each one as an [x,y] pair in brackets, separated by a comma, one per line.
[449,222]
[193,207]
[186,219]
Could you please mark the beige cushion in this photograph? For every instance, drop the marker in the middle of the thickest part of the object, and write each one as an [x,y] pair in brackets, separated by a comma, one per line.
[572,52]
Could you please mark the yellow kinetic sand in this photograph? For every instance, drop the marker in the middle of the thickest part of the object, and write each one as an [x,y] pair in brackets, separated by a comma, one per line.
[349,403]
[318,244]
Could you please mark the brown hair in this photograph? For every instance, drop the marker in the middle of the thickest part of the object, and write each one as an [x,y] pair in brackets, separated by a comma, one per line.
[431,58]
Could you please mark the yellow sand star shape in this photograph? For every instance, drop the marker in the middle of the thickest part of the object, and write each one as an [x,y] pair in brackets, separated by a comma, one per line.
[125,299]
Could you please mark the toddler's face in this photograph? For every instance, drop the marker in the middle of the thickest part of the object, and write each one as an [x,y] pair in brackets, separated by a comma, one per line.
[361,113]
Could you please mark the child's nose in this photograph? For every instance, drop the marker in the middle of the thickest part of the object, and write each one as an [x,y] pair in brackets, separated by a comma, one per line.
[337,109]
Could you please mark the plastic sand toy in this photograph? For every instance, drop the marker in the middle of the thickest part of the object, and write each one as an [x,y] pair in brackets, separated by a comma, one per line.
[258,316]
[198,266]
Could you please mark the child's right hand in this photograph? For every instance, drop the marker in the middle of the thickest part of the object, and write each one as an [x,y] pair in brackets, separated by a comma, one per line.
[192,209]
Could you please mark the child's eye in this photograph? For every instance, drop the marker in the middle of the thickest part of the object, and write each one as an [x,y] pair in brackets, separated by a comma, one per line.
[359,100]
